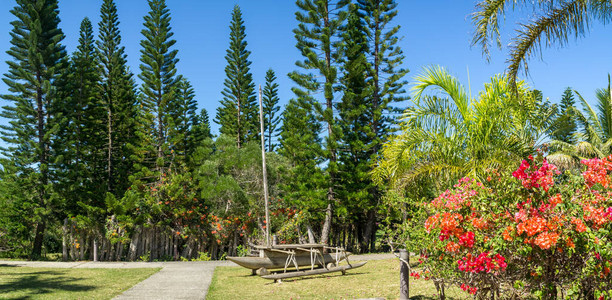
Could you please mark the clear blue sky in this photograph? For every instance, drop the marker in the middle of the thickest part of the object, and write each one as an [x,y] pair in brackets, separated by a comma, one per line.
[434,32]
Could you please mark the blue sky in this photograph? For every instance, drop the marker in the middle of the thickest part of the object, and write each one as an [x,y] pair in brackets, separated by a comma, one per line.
[434,32]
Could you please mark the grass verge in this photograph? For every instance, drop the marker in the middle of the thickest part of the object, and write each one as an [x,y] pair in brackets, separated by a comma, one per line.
[51,283]
[377,279]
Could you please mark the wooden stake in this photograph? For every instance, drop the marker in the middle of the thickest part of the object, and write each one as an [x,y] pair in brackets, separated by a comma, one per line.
[404,274]
[263,162]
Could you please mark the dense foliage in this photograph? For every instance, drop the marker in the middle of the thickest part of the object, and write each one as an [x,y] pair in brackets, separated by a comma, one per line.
[96,161]
[534,232]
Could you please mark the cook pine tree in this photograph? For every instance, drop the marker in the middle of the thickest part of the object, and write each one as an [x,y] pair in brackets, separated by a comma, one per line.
[300,143]
[565,123]
[118,94]
[184,118]
[37,59]
[201,130]
[271,110]
[80,139]
[238,112]
[386,77]
[385,84]
[317,38]
[159,81]
[355,111]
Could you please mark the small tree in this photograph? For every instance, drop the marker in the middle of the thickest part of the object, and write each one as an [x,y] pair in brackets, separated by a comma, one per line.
[565,124]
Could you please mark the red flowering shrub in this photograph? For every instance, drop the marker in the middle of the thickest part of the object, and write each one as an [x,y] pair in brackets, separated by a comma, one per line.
[537,233]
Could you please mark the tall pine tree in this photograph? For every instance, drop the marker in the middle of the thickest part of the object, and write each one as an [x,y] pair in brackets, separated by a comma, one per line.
[317,37]
[270,110]
[237,114]
[385,57]
[355,111]
[385,84]
[565,124]
[158,75]
[118,95]
[80,139]
[37,61]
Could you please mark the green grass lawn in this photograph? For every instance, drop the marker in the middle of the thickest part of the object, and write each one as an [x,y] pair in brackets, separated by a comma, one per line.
[47,283]
[377,279]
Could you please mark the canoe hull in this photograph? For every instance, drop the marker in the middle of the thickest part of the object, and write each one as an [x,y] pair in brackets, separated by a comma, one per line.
[277,260]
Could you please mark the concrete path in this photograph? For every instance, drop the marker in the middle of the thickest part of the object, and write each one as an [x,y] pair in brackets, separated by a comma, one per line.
[176,280]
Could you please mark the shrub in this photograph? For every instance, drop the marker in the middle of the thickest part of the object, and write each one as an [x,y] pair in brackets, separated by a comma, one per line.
[532,233]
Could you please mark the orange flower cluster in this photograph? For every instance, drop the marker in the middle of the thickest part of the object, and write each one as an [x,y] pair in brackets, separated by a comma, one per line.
[597,171]
[580,227]
[447,222]
[532,226]
[507,235]
[546,239]
[480,223]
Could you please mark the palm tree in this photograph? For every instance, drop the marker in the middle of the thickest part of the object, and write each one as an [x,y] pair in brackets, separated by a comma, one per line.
[446,134]
[555,23]
[595,140]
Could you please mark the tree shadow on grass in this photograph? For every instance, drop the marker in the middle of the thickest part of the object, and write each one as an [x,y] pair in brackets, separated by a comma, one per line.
[39,283]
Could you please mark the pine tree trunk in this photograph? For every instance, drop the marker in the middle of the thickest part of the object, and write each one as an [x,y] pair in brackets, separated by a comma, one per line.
[109,155]
[153,243]
[328,219]
[82,243]
[311,237]
[71,241]
[104,255]
[369,233]
[42,160]
[38,240]
[65,240]
[134,244]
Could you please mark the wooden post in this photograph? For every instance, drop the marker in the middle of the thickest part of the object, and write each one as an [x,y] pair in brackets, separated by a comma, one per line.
[263,162]
[404,274]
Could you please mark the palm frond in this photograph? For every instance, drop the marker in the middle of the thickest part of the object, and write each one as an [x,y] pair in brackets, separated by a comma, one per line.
[591,126]
[554,27]
[604,105]
[440,80]
[486,19]
[587,150]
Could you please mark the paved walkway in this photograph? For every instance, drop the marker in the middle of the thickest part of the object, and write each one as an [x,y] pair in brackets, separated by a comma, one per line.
[176,280]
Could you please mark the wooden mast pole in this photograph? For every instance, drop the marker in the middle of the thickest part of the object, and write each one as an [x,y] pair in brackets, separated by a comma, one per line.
[263,162]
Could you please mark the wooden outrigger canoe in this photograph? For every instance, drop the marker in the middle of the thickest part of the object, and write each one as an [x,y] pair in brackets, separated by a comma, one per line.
[292,255]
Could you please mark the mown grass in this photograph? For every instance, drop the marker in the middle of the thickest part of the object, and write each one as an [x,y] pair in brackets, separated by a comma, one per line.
[52,283]
[377,279]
